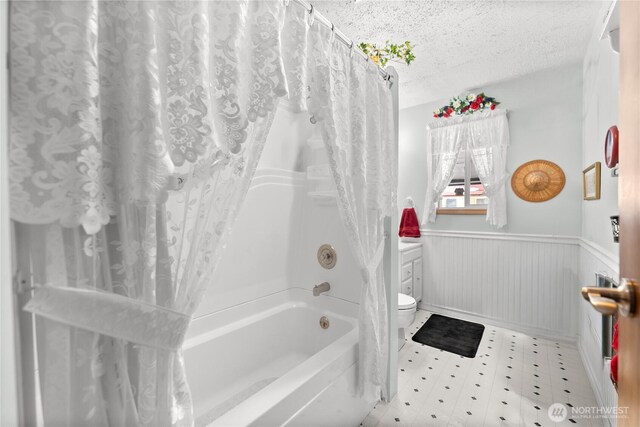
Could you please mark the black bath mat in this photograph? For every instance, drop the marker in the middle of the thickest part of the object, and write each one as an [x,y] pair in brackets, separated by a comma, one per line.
[452,335]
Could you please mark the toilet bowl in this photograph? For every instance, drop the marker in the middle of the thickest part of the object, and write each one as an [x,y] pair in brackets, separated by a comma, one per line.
[406,315]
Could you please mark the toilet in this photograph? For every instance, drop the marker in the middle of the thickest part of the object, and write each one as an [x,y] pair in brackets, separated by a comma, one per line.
[406,315]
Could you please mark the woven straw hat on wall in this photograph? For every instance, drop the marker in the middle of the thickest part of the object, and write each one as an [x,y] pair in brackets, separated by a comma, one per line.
[538,181]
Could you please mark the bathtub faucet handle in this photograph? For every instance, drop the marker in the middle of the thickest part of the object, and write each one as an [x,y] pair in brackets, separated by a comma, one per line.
[322,287]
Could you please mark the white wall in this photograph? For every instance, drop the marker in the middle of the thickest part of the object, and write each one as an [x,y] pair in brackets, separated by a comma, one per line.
[514,272]
[600,111]
[279,228]
[599,254]
[544,122]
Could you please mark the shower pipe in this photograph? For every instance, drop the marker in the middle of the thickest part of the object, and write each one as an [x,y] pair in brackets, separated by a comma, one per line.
[341,36]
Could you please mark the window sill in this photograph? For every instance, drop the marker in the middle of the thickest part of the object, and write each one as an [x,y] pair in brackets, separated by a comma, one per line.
[461,211]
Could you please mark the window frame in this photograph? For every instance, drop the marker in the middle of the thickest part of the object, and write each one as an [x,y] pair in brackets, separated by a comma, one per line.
[468,209]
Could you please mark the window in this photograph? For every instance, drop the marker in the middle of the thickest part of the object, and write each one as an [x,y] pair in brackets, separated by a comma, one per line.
[465,193]
[457,190]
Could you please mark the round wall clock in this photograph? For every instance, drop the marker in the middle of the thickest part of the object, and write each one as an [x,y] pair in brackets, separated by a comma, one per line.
[611,147]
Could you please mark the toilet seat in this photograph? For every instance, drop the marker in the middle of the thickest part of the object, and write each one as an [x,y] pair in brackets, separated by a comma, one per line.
[406,302]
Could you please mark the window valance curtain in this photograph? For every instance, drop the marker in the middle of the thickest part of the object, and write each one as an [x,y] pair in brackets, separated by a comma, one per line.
[136,128]
[485,136]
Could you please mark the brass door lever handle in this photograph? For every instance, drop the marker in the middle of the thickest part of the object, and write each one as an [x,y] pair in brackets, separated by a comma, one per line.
[609,300]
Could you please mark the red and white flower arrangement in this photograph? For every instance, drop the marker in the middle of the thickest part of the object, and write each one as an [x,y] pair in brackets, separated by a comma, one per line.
[462,105]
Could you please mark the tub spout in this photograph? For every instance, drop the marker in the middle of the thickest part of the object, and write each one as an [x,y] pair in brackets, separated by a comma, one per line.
[322,287]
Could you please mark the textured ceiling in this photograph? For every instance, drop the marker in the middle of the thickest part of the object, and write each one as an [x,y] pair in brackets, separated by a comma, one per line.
[464,45]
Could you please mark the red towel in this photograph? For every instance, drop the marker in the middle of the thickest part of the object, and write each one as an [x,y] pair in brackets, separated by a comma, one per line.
[409,226]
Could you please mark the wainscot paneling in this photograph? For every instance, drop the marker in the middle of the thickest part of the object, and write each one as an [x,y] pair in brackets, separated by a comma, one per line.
[595,259]
[529,283]
[525,282]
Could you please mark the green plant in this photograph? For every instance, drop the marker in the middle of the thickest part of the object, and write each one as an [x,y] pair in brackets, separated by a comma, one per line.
[401,53]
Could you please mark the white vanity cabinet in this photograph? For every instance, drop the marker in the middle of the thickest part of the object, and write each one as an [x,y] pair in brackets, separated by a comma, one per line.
[410,269]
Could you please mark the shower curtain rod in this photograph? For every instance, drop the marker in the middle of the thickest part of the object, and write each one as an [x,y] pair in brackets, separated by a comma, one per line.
[341,36]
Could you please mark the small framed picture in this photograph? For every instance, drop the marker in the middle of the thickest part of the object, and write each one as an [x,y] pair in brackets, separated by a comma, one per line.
[591,182]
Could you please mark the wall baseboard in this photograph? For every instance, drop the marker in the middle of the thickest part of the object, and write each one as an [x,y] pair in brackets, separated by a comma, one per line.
[478,318]
[601,385]
[594,379]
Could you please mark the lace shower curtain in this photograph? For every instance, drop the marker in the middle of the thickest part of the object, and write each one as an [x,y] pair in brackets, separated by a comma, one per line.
[353,106]
[136,129]
[486,136]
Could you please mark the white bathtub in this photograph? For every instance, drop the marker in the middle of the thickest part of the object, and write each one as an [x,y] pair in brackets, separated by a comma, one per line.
[268,362]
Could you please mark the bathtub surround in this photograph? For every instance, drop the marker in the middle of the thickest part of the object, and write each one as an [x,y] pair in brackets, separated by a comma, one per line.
[135,204]
[486,136]
[273,212]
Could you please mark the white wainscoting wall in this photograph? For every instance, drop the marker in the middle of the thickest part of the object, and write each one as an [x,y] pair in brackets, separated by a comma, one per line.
[529,283]
[525,282]
[595,259]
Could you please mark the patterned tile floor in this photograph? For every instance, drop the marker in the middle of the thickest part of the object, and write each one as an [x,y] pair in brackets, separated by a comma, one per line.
[512,381]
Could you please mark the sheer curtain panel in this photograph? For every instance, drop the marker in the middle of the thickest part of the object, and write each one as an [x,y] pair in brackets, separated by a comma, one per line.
[136,128]
[353,106]
[485,136]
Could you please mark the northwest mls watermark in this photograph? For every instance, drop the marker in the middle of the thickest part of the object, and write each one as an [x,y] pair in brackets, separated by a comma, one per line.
[559,412]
